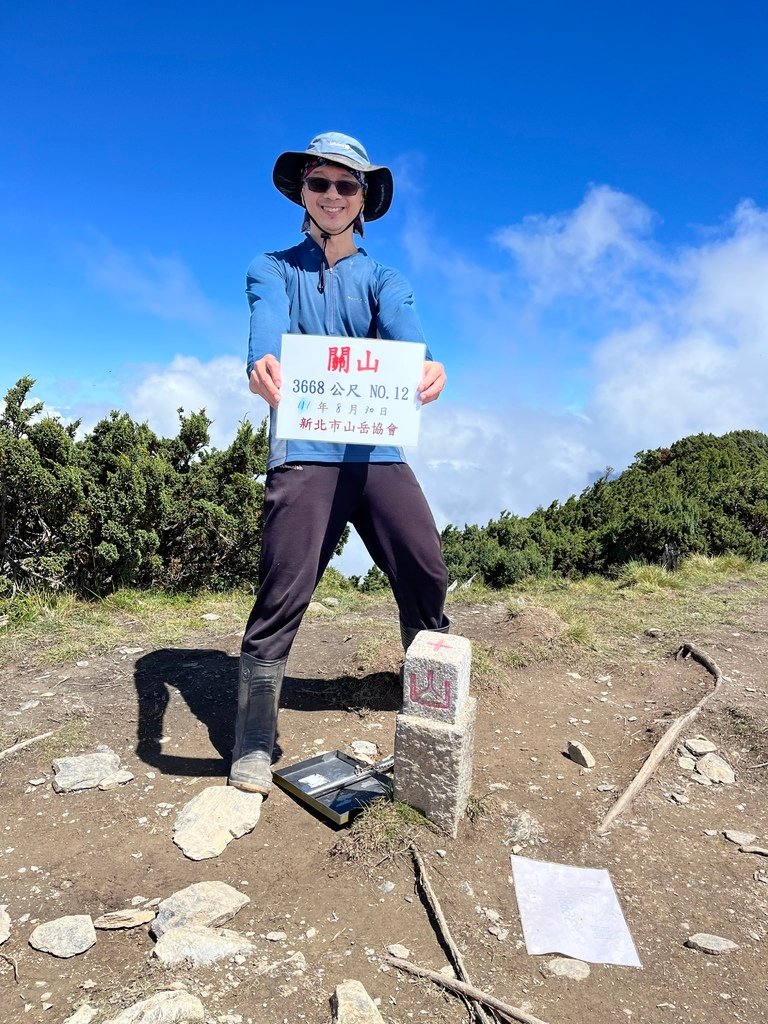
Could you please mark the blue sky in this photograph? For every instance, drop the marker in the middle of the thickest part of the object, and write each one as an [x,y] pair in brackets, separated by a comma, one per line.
[581,206]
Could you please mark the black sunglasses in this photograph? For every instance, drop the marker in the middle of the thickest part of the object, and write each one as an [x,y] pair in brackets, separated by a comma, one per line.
[344,187]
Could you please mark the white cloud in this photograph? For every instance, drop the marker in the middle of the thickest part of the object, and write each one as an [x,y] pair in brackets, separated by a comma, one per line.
[219,386]
[161,285]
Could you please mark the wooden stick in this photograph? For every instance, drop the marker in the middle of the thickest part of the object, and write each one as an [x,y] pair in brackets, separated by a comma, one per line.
[751,767]
[445,932]
[667,741]
[512,1012]
[24,743]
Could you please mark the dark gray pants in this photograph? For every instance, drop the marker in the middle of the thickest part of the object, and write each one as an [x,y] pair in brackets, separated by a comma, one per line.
[306,507]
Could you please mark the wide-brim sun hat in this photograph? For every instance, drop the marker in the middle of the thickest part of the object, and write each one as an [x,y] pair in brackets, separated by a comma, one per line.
[345,151]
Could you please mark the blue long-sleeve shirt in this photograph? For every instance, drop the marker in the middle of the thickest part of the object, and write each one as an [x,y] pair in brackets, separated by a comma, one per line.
[362,299]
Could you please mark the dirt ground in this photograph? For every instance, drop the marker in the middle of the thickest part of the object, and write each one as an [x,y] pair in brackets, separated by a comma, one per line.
[169,712]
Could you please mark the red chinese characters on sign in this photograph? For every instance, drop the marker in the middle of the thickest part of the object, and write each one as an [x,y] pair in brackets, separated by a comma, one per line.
[428,692]
[373,368]
[338,359]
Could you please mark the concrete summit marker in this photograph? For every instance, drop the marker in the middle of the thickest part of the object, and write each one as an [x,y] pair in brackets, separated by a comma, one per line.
[434,737]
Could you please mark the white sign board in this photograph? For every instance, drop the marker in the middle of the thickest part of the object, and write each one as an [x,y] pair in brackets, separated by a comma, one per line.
[350,390]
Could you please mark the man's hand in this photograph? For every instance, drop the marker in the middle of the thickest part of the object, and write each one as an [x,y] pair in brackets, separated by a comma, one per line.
[266,380]
[432,381]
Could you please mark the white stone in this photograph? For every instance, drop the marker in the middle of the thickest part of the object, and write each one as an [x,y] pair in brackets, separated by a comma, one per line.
[124,919]
[212,819]
[5,924]
[210,617]
[353,1005]
[713,767]
[740,838]
[700,745]
[199,945]
[205,903]
[715,945]
[84,771]
[687,763]
[83,1015]
[331,602]
[365,750]
[276,936]
[116,779]
[564,967]
[64,937]
[761,851]
[579,753]
[436,677]
[433,766]
[702,780]
[398,950]
[166,1007]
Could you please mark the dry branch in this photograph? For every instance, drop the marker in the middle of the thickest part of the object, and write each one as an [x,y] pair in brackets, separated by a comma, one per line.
[511,1012]
[445,932]
[667,741]
[24,743]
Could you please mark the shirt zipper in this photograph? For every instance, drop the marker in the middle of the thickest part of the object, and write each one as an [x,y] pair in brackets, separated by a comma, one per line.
[331,309]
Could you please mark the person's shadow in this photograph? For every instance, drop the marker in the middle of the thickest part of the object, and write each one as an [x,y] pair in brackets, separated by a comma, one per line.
[207,681]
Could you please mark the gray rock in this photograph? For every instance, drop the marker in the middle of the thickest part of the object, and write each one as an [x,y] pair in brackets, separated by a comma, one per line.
[715,945]
[331,602]
[64,937]
[199,945]
[398,950]
[5,925]
[276,936]
[713,767]
[83,1015]
[168,1007]
[316,608]
[131,918]
[84,771]
[740,838]
[702,780]
[205,903]
[564,967]
[364,749]
[687,763]
[116,779]
[353,1005]
[761,851]
[700,745]
[386,887]
[760,876]
[522,828]
[212,819]
[579,753]
[680,798]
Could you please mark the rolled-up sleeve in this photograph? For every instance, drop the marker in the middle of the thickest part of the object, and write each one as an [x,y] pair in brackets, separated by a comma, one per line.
[397,319]
[270,311]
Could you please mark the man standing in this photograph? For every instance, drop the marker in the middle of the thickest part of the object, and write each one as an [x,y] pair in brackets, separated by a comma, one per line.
[328,286]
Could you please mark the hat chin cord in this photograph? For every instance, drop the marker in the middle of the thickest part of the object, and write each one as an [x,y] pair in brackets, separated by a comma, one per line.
[325,237]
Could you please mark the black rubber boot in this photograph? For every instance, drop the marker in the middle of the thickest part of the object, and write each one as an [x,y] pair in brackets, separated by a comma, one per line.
[256,727]
[408,633]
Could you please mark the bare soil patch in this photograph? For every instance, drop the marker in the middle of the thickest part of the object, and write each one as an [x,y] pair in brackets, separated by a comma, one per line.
[169,713]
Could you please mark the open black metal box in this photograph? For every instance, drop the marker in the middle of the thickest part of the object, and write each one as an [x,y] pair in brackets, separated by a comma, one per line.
[312,782]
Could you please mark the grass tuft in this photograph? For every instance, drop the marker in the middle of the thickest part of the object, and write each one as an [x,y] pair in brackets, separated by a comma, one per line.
[383,831]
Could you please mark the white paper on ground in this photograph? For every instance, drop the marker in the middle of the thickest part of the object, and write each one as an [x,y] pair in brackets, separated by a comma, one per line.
[572,911]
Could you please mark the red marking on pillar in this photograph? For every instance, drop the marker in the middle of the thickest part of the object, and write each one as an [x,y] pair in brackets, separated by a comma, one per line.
[430,693]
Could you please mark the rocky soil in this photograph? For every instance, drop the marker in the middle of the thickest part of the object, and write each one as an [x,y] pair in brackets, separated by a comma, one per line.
[104,911]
